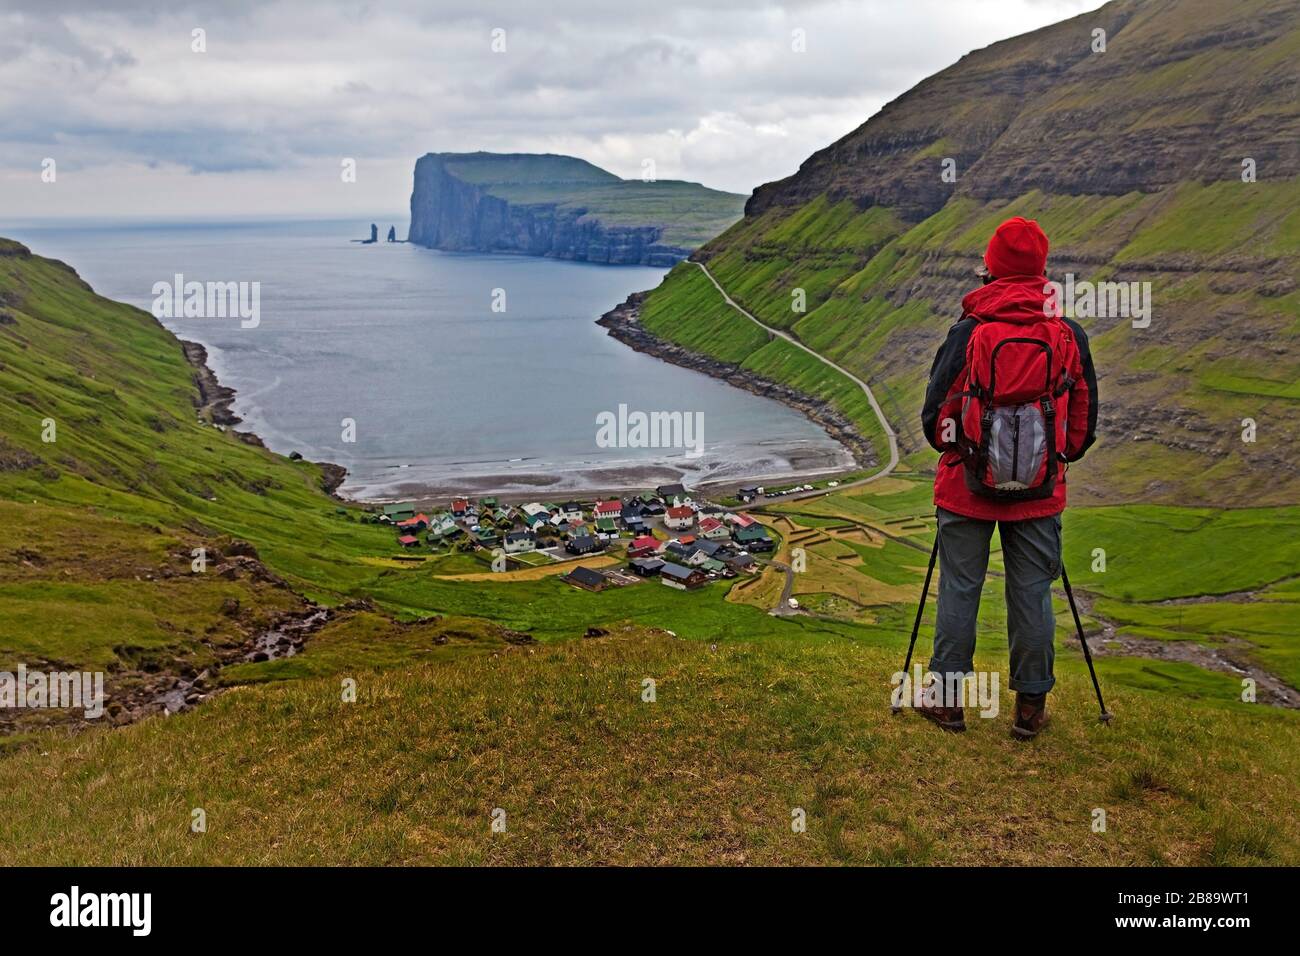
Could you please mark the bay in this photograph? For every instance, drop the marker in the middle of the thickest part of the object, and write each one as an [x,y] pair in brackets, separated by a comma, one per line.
[447,393]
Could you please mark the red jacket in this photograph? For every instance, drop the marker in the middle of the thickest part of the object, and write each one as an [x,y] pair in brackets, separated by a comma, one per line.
[1017,300]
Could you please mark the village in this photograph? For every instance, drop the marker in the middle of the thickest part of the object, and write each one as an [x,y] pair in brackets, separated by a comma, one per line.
[665,534]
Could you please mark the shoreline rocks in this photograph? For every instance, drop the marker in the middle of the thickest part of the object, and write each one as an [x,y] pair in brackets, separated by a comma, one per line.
[624,324]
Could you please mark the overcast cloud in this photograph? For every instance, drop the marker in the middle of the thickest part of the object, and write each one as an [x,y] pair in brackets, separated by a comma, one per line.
[711,90]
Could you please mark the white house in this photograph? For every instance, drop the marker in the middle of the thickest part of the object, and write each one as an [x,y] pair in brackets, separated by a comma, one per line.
[679,517]
[517,541]
[570,511]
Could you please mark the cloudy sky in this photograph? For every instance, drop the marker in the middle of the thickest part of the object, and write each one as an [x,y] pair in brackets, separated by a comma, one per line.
[139,124]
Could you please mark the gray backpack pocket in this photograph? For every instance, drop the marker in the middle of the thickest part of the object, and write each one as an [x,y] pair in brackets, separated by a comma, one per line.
[1017,447]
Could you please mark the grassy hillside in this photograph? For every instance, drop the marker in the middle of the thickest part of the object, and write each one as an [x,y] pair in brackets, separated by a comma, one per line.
[1108,153]
[737,739]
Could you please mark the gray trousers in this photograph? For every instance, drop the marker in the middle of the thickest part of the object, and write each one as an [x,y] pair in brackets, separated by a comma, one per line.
[1031,552]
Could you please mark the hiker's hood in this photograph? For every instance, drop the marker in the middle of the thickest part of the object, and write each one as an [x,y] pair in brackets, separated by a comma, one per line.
[1016,299]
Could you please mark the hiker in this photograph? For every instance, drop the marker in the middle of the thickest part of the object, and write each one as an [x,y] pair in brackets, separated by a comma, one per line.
[1012,399]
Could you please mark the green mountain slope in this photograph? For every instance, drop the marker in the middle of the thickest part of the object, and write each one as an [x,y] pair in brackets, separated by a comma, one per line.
[560,206]
[1132,161]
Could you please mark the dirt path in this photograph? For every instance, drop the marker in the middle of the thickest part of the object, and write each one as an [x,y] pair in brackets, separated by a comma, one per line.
[871,398]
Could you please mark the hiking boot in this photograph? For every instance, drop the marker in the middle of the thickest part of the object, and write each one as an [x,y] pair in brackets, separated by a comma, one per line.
[1031,715]
[949,718]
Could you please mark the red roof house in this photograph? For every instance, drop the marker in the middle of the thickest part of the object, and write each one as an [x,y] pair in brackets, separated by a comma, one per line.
[679,516]
[414,524]
[609,509]
[408,541]
[642,546]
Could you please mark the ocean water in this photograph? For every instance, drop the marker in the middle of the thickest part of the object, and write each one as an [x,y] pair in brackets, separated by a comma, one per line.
[445,391]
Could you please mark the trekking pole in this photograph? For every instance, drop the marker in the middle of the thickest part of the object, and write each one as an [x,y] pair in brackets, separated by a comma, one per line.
[1087,654]
[916,625]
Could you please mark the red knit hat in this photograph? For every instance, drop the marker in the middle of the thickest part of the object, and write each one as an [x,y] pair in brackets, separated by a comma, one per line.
[1018,248]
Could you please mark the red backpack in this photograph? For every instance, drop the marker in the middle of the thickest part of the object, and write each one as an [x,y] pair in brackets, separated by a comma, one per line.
[1009,433]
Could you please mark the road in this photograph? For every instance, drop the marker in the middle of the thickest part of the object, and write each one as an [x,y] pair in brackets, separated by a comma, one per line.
[871,398]
[783,608]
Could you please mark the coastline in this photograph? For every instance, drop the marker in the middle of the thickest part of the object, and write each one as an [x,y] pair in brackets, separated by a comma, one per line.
[623,322]
[216,403]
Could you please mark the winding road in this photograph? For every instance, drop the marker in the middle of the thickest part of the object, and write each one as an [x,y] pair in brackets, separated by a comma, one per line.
[871,398]
[783,606]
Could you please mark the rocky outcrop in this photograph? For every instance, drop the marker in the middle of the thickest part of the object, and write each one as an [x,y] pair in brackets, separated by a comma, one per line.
[214,400]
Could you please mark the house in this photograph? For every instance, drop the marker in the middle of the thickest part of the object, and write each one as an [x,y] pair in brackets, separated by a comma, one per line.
[411,525]
[459,507]
[711,548]
[587,579]
[713,566]
[635,525]
[518,541]
[740,520]
[488,503]
[408,541]
[396,513]
[678,551]
[751,533]
[535,521]
[686,539]
[671,494]
[747,492]
[646,567]
[696,558]
[652,509]
[684,579]
[441,526]
[486,535]
[570,511]
[642,546]
[743,562]
[609,509]
[535,508]
[712,528]
[504,515]
[678,517]
[584,544]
